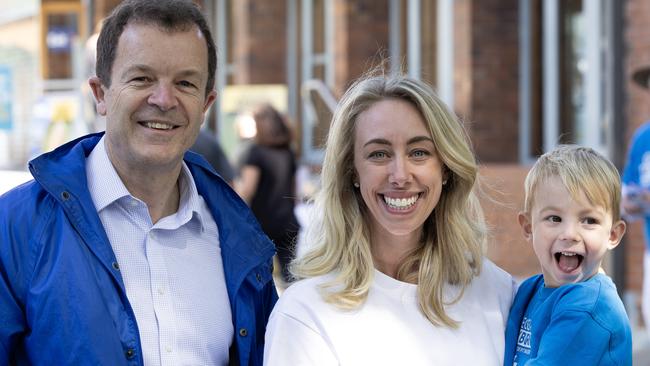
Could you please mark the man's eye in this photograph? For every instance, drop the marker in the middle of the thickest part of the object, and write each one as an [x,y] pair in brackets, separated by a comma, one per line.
[140,79]
[186,84]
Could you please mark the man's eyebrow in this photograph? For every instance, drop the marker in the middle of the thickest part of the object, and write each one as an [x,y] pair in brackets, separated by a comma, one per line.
[190,73]
[147,69]
[136,68]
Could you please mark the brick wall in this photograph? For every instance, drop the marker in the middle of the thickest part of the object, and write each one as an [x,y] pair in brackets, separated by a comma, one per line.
[361,34]
[487,79]
[503,197]
[637,109]
[259,41]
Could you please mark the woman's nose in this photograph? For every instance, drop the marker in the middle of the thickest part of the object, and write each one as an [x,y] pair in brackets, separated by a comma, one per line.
[399,172]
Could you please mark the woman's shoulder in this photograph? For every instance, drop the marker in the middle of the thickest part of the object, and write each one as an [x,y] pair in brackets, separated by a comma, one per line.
[303,294]
[494,283]
[491,273]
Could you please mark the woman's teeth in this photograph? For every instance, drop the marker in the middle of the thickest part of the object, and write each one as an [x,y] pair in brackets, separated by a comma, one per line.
[400,203]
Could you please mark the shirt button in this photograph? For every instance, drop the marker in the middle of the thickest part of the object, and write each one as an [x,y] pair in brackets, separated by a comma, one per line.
[243,332]
[168,349]
[161,291]
[130,353]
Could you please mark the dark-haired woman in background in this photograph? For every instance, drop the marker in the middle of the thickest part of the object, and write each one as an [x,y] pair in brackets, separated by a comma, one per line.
[267,182]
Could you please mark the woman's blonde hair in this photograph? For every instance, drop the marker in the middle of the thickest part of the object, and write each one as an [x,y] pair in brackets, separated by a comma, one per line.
[453,239]
[581,170]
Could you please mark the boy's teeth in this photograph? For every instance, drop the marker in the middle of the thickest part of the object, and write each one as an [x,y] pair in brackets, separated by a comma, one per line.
[400,203]
[158,125]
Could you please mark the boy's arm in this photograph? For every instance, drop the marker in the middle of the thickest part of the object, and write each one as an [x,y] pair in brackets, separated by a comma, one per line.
[573,338]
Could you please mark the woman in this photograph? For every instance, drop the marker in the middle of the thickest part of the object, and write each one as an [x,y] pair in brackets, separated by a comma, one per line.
[396,274]
[267,182]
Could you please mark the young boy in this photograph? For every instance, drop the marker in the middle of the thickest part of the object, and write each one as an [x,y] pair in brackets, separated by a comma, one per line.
[571,313]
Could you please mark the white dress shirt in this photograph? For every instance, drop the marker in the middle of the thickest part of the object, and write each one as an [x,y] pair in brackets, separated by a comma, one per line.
[172,270]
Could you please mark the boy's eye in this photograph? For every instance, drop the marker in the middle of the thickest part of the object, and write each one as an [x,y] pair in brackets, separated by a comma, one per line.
[554,218]
[590,221]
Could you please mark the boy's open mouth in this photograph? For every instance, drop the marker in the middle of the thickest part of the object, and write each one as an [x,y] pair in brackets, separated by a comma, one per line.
[568,261]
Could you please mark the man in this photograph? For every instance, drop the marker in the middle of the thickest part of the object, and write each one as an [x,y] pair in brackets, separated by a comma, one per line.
[636,190]
[126,249]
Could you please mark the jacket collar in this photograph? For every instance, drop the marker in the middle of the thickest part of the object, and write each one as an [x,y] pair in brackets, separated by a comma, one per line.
[62,174]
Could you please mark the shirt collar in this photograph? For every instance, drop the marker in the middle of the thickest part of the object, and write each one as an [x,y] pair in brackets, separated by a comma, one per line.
[104,183]
[106,187]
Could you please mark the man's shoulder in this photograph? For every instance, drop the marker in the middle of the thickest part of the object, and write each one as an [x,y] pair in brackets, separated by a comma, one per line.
[25,199]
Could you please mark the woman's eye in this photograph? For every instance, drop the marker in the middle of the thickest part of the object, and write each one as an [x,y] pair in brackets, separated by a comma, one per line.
[419,153]
[378,155]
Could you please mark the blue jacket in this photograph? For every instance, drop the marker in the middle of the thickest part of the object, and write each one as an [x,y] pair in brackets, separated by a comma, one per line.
[62,298]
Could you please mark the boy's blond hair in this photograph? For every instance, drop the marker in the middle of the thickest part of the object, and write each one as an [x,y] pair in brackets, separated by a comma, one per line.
[581,169]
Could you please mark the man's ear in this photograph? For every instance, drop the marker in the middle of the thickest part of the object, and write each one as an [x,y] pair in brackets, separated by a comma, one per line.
[98,92]
[616,234]
[526,225]
[210,98]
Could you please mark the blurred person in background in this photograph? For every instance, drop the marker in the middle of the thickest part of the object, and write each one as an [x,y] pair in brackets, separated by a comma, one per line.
[267,182]
[636,190]
[126,248]
[395,272]
[207,145]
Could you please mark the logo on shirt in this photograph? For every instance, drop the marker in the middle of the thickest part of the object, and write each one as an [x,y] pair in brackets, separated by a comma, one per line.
[523,340]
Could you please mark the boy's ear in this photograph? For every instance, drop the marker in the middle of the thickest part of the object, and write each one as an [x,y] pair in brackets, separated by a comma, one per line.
[616,234]
[526,226]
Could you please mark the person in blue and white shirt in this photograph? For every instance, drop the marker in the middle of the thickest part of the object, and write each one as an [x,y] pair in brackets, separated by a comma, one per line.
[636,190]
[571,313]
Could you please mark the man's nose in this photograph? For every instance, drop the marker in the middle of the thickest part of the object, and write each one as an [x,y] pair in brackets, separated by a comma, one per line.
[163,96]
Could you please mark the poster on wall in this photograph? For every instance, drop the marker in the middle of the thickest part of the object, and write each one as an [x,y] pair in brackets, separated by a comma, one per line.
[6,92]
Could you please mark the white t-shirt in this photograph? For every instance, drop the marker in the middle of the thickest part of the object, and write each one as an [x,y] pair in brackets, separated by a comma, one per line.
[389,329]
